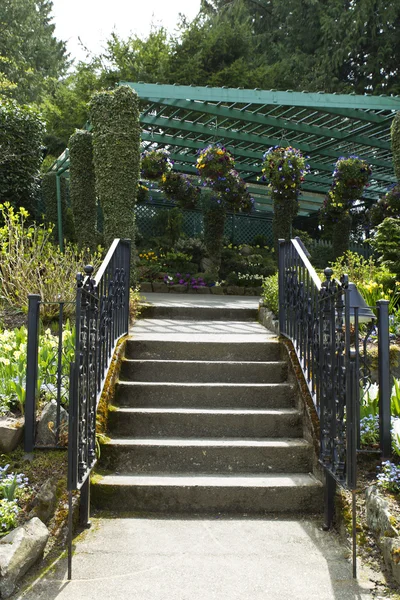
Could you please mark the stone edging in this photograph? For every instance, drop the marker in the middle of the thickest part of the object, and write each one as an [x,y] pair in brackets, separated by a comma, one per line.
[385,529]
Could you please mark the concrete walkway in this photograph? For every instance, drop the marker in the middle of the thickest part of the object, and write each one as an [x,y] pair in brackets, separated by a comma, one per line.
[204,559]
[208,558]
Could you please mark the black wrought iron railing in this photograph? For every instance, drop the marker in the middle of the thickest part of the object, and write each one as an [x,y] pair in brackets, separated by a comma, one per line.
[77,375]
[102,318]
[329,338]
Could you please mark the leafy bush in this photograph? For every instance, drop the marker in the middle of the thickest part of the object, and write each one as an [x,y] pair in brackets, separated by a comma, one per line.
[82,188]
[193,246]
[116,154]
[31,264]
[168,223]
[270,294]
[21,138]
[386,242]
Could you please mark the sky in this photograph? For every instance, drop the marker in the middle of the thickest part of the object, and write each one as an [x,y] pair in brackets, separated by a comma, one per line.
[93,20]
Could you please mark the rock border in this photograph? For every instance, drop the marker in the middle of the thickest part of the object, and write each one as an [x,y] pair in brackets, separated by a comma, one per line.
[385,529]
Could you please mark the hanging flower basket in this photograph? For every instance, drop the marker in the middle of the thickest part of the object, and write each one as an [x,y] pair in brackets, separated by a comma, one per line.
[214,161]
[234,192]
[284,168]
[155,163]
[180,189]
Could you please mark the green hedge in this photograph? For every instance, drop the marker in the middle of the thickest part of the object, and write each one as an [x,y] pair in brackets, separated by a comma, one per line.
[116,153]
[21,138]
[82,188]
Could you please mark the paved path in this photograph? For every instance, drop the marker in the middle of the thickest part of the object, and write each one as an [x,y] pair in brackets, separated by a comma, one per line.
[204,559]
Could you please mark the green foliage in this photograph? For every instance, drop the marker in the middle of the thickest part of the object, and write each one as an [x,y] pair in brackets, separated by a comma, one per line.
[116,152]
[30,55]
[395,138]
[21,137]
[284,169]
[214,215]
[13,365]
[31,264]
[349,179]
[386,243]
[82,188]
[142,193]
[9,512]
[193,246]
[359,269]
[168,224]
[270,294]
[387,206]
[49,198]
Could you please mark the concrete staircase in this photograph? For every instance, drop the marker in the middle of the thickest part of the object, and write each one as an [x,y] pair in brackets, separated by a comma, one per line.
[206,421]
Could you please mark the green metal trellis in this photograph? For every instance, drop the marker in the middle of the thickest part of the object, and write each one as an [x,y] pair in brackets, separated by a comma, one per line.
[184,119]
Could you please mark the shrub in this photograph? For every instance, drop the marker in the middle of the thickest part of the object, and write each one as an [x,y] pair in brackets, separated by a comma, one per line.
[82,188]
[21,138]
[386,242]
[270,294]
[193,246]
[168,223]
[116,154]
[31,264]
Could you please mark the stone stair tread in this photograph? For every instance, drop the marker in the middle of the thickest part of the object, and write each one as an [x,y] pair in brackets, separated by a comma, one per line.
[202,362]
[214,442]
[173,330]
[190,480]
[205,384]
[209,411]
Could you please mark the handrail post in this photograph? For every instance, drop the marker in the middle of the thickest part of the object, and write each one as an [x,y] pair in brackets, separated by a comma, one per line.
[384,378]
[127,283]
[31,371]
[281,286]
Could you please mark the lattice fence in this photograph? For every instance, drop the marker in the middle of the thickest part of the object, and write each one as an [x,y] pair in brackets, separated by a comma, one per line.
[239,229]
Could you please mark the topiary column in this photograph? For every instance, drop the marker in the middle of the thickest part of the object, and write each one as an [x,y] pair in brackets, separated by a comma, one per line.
[82,188]
[214,216]
[395,137]
[116,154]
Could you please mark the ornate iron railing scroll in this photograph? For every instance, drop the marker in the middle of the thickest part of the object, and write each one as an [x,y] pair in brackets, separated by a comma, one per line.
[102,318]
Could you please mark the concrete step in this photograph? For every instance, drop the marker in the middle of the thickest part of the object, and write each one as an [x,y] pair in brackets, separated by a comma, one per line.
[208,494]
[209,351]
[205,422]
[202,371]
[257,456]
[195,313]
[203,395]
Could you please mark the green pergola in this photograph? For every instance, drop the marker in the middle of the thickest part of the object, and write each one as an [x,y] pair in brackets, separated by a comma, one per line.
[185,119]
